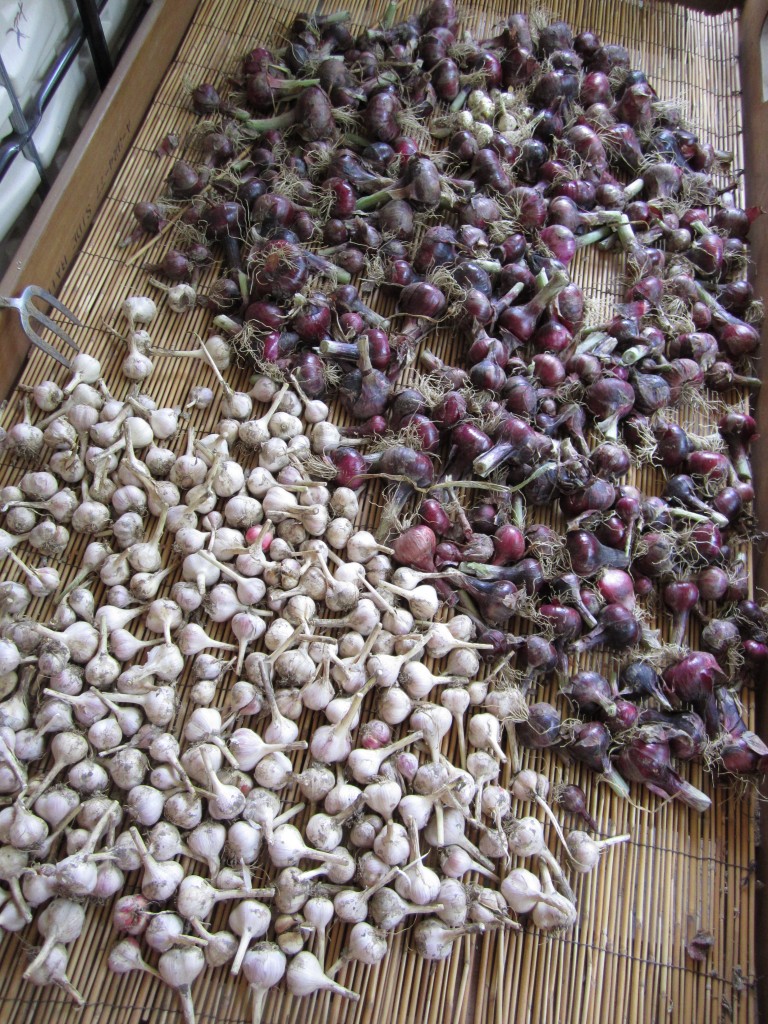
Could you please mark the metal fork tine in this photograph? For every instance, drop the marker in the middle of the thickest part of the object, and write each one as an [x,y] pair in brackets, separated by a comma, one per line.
[41,293]
[41,343]
[28,312]
[33,312]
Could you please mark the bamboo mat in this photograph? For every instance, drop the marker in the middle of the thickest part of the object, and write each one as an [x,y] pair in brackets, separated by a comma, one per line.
[625,960]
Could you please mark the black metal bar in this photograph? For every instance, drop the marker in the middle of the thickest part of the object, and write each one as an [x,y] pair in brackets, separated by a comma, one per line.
[53,76]
[19,124]
[94,33]
[16,142]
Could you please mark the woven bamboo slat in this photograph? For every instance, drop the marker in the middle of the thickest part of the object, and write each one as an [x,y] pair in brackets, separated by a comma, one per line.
[625,960]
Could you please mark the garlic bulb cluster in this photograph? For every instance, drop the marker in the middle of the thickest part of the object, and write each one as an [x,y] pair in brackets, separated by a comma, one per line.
[170,700]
